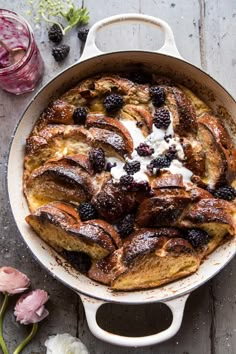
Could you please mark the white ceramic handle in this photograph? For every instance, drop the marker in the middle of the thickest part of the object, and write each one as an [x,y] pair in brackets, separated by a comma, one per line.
[92,305]
[169,47]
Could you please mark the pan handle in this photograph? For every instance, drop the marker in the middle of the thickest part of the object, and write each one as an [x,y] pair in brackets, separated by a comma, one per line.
[176,306]
[169,47]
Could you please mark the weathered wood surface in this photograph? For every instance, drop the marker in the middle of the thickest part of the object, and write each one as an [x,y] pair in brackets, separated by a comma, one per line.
[205,35]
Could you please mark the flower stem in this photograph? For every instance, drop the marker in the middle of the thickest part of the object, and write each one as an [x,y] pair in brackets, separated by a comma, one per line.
[2,313]
[27,339]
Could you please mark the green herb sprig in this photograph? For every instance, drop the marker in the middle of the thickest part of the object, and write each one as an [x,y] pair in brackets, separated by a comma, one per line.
[54,10]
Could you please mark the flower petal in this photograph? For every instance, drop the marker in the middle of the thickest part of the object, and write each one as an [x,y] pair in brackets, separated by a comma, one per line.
[30,307]
[65,344]
[12,281]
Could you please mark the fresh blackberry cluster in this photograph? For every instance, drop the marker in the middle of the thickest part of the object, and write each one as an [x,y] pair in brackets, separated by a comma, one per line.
[197,238]
[225,192]
[83,33]
[161,118]
[132,167]
[87,211]
[97,159]
[55,33]
[79,260]
[158,163]
[113,103]
[158,96]
[126,226]
[79,115]
[60,52]
[144,150]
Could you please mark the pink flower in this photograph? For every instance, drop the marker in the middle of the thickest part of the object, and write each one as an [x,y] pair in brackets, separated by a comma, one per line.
[30,307]
[12,281]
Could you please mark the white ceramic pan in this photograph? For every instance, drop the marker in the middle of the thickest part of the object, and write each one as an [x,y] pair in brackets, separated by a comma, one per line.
[166,61]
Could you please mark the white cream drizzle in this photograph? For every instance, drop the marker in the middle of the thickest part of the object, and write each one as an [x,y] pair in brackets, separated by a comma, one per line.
[159,144]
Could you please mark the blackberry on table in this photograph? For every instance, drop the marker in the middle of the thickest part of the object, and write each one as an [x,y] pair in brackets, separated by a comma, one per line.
[79,115]
[144,150]
[197,237]
[161,118]
[132,167]
[113,102]
[87,211]
[55,33]
[78,260]
[157,95]
[83,33]
[159,163]
[126,226]
[60,52]
[225,192]
[97,159]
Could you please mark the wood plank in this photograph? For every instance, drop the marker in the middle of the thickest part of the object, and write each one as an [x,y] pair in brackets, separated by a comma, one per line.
[219,28]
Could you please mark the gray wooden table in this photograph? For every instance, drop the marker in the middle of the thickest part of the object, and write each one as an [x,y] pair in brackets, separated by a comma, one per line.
[205,33]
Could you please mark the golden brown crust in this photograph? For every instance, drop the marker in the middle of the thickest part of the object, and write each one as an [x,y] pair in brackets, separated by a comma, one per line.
[60,174]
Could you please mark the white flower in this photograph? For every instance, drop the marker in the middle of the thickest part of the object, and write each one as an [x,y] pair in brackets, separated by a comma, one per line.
[65,344]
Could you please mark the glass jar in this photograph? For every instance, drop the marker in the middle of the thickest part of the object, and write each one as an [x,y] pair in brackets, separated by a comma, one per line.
[21,65]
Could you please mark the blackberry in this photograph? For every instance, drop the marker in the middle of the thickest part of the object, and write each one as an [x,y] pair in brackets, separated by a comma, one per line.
[225,192]
[87,211]
[126,226]
[60,52]
[109,166]
[197,237]
[97,159]
[55,33]
[127,181]
[144,150]
[172,152]
[132,167]
[79,115]
[140,77]
[113,102]
[159,163]
[161,118]
[157,95]
[142,186]
[78,260]
[83,33]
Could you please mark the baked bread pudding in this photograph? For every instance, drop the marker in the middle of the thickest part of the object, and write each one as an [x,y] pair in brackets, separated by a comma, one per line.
[131,178]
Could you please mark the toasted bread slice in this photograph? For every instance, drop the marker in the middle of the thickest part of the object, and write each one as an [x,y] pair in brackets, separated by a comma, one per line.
[59,230]
[215,216]
[163,209]
[139,114]
[112,202]
[107,228]
[111,142]
[79,160]
[146,261]
[221,151]
[58,182]
[100,121]
[58,112]
[55,141]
